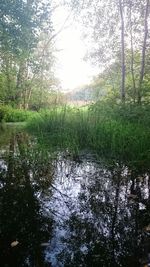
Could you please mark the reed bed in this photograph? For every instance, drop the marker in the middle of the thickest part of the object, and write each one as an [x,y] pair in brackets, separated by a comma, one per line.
[106,130]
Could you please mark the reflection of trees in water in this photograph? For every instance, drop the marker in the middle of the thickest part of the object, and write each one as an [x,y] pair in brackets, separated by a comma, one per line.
[107,228]
[21,215]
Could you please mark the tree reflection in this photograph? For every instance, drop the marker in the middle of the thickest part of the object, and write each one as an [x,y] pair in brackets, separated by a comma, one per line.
[107,229]
[89,214]
[23,177]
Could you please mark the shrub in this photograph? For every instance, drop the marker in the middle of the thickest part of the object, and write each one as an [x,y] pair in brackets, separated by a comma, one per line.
[8,114]
[2,113]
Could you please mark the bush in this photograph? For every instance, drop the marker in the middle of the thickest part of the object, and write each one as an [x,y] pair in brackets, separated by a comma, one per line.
[8,114]
[134,113]
[2,113]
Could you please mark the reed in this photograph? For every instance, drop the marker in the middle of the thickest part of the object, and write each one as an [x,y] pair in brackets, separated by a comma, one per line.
[104,130]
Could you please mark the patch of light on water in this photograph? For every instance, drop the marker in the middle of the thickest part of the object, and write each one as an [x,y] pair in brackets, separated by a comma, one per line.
[69,180]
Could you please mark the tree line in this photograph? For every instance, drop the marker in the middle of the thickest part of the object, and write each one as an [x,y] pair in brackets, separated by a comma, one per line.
[118,33]
[117,40]
[27,54]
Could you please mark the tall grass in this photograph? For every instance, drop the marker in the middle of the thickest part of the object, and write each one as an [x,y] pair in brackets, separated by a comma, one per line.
[103,129]
[64,127]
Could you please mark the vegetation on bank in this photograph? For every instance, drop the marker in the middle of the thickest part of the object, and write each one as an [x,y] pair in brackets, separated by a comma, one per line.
[9,114]
[119,132]
[113,131]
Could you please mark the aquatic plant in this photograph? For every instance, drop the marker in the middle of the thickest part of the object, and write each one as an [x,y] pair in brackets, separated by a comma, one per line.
[102,128]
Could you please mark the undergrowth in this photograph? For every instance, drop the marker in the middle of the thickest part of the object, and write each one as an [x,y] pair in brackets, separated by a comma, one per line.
[9,114]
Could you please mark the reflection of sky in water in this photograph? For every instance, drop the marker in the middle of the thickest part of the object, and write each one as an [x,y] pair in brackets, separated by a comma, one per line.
[3,165]
[83,194]
[71,180]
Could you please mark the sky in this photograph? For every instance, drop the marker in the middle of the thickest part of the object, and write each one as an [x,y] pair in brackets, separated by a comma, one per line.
[72,70]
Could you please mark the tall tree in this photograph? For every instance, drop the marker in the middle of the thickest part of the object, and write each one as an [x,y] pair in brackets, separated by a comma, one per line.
[121,7]
[21,24]
[132,50]
[103,22]
[143,50]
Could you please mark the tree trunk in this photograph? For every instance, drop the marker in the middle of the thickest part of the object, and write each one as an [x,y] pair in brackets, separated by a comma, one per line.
[115,214]
[143,51]
[122,53]
[132,53]
[7,71]
[21,78]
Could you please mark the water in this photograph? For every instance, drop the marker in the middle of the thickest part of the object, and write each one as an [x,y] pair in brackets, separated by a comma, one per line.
[60,210]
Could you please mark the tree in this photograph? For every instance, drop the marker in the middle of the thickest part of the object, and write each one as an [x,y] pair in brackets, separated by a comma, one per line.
[122,52]
[132,50]
[143,50]
[104,20]
[21,25]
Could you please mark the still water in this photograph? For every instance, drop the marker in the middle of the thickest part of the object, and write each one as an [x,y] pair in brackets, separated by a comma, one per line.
[62,210]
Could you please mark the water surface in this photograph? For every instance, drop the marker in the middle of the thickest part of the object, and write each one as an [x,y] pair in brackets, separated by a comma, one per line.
[59,209]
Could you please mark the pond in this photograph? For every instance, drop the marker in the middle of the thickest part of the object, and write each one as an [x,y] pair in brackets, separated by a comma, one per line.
[62,210]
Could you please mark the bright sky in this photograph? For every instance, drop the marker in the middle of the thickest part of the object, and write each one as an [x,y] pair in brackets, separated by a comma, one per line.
[72,70]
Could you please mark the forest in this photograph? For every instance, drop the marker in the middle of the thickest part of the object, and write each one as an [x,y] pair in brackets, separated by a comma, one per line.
[75,162]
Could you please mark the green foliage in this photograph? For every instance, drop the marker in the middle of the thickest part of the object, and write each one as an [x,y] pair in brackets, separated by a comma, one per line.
[20,22]
[129,112]
[2,113]
[25,55]
[8,114]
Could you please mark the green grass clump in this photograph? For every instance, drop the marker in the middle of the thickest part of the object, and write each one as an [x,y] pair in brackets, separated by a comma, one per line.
[62,126]
[9,114]
[123,142]
[106,129]
[129,112]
